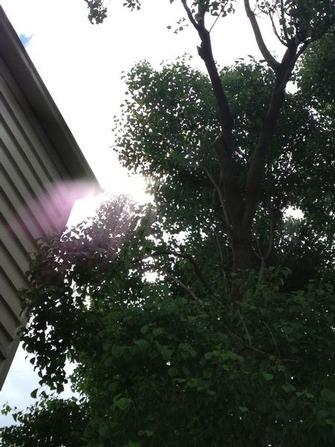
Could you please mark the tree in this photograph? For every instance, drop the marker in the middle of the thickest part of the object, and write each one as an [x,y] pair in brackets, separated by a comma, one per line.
[316,79]
[37,426]
[206,318]
[297,26]
[170,359]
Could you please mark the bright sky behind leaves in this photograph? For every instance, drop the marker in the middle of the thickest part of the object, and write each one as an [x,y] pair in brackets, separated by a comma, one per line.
[82,64]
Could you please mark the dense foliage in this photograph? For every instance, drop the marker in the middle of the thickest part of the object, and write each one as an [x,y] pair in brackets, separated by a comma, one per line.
[208,317]
[163,132]
[161,361]
[36,426]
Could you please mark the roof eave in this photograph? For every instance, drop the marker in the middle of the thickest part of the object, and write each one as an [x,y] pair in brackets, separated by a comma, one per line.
[40,101]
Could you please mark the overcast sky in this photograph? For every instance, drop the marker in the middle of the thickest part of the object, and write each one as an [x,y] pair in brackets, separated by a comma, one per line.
[81,65]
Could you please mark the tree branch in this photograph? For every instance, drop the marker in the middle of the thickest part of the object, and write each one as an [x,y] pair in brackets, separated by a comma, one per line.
[195,266]
[232,194]
[248,347]
[283,20]
[225,115]
[276,31]
[264,257]
[184,287]
[190,15]
[256,170]
[271,237]
[221,198]
[272,62]
[206,54]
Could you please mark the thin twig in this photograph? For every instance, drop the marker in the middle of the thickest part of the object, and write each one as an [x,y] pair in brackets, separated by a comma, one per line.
[276,31]
[271,235]
[221,198]
[244,327]
[217,18]
[190,15]
[265,257]
[272,336]
[184,286]
[282,14]
[195,266]
[225,280]
[249,347]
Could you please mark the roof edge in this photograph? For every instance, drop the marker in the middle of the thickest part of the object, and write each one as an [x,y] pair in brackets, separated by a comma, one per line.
[37,95]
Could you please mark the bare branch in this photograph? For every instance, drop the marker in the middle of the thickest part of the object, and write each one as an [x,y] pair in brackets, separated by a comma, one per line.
[206,54]
[188,257]
[265,257]
[190,15]
[276,31]
[259,157]
[219,250]
[231,190]
[221,198]
[271,236]
[231,187]
[244,327]
[215,22]
[283,20]
[275,344]
[272,62]
[225,115]
[184,286]
[248,347]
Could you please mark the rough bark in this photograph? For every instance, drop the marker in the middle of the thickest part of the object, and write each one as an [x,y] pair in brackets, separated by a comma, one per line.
[243,254]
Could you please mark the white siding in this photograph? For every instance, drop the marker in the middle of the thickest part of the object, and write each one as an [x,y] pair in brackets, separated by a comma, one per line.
[30,203]
[38,159]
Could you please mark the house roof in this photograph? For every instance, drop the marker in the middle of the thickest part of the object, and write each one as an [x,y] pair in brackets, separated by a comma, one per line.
[40,101]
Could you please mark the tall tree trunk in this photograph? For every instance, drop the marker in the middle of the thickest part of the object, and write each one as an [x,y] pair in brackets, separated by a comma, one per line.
[244,258]
[244,261]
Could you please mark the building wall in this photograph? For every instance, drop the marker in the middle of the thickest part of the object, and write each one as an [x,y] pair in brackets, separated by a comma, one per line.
[33,202]
[42,172]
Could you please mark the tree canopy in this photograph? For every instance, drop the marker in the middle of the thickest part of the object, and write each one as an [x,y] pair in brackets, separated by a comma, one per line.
[207,317]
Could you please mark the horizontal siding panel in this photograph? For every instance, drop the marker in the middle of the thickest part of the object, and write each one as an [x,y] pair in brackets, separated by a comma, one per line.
[28,167]
[19,121]
[13,245]
[10,297]
[22,145]
[7,214]
[4,346]
[5,364]
[31,224]
[21,158]
[23,189]
[38,160]
[10,85]
[9,321]
[5,342]
[11,269]
[28,140]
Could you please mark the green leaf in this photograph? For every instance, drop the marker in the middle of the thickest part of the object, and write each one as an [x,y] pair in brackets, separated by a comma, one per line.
[268,376]
[33,394]
[121,403]
[288,388]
